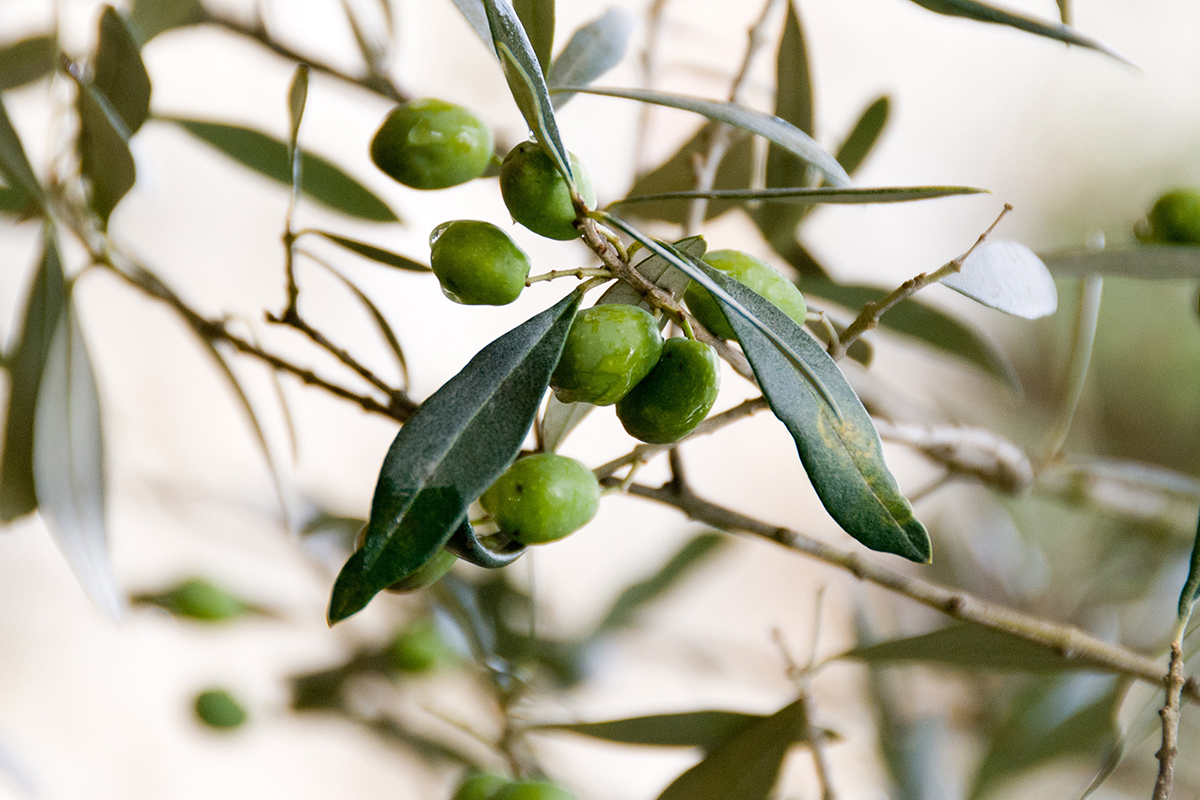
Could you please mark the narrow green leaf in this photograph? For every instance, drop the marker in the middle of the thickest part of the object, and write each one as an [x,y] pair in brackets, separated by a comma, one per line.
[773,128]
[973,647]
[104,156]
[537,16]
[1008,277]
[864,135]
[924,323]
[1051,719]
[1145,262]
[14,201]
[704,729]
[68,463]
[981,12]
[323,181]
[372,50]
[592,51]
[745,766]
[1191,587]
[297,98]
[373,253]
[452,449]
[14,164]
[559,419]
[631,601]
[149,18]
[678,174]
[118,72]
[1064,11]
[476,15]
[27,60]
[526,80]
[807,196]
[26,366]
[843,456]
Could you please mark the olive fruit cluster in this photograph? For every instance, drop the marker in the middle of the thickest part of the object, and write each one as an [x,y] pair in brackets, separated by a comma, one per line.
[486,786]
[432,144]
[1173,219]
[752,273]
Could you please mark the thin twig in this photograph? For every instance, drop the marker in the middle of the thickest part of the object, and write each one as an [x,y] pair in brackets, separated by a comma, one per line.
[292,319]
[580,273]
[1170,725]
[869,318]
[1068,641]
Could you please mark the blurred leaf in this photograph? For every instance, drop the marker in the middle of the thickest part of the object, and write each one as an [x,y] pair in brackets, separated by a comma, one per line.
[68,463]
[1146,262]
[559,419]
[118,72]
[592,51]
[837,441]
[376,254]
[297,99]
[1064,11]
[1191,587]
[27,60]
[323,181]
[973,647]
[922,322]
[807,196]
[105,160]
[27,363]
[745,766]
[14,165]
[372,50]
[678,174]
[631,601]
[864,135]
[537,16]
[981,12]
[452,449]
[385,328]
[526,79]
[1050,719]
[768,126]
[861,350]
[704,729]
[149,18]
[476,16]
[1008,277]
[14,201]
[199,599]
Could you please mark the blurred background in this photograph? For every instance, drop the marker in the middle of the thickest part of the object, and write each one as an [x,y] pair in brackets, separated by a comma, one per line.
[1078,143]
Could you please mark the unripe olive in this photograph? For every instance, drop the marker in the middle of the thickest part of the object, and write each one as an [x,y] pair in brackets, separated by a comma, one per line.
[537,194]
[480,786]
[1174,218]
[542,498]
[677,394]
[217,708]
[752,273]
[432,144]
[477,263]
[419,648]
[203,600]
[534,790]
[609,349]
[427,574]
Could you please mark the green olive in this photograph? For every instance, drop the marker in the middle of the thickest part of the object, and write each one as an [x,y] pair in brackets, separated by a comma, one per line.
[432,144]
[534,790]
[419,648]
[609,349]
[202,599]
[542,498]
[477,263]
[1175,218]
[537,194]
[752,273]
[480,786]
[677,394]
[217,708]
[427,574]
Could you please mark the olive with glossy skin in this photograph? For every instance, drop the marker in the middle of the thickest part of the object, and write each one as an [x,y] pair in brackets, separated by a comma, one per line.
[217,708]
[537,194]
[432,144]
[419,648]
[477,263]
[676,396]
[610,348]
[752,273]
[534,790]
[480,786]
[427,574]
[1174,218]
[542,498]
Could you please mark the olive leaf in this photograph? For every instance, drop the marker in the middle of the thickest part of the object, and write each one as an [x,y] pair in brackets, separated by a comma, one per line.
[14,164]
[537,17]
[453,448]
[149,18]
[840,451]
[373,253]
[266,155]
[809,196]
[707,730]
[1191,587]
[13,201]
[592,51]
[1145,262]
[1008,277]
[863,136]
[297,99]
[27,364]
[773,128]
[104,156]
[118,72]
[27,60]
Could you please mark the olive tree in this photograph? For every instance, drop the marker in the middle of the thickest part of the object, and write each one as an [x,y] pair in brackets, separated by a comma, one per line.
[658,320]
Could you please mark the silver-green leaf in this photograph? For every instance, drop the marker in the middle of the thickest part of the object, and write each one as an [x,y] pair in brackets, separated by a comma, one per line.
[1008,277]
[592,51]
